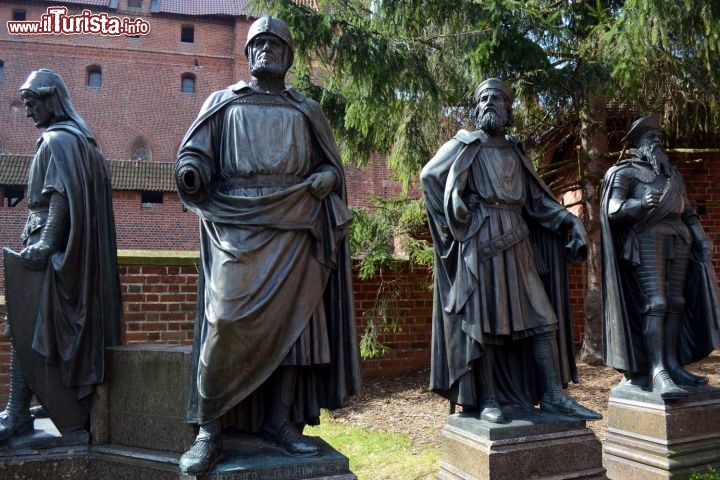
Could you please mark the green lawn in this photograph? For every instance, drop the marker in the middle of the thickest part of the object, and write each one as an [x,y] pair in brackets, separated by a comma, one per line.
[376,455]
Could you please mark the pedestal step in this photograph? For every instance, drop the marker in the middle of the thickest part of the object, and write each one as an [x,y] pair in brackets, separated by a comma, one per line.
[652,439]
[540,447]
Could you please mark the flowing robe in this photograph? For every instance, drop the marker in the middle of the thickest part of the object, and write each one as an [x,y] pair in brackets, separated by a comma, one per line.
[276,288]
[79,311]
[489,295]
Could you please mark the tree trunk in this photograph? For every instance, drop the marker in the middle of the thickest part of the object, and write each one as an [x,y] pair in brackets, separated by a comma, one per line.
[594,142]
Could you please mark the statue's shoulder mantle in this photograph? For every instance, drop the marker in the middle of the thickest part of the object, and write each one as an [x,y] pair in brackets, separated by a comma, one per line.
[636,167]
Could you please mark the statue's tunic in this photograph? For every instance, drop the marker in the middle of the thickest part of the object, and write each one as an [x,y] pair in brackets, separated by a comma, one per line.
[488,290]
[272,256]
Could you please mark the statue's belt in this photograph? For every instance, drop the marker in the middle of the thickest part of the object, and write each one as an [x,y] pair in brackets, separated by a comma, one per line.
[503,242]
[262,180]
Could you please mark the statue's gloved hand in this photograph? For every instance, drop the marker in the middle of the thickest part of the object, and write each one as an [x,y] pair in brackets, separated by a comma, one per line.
[322,184]
[650,199]
[35,256]
[577,248]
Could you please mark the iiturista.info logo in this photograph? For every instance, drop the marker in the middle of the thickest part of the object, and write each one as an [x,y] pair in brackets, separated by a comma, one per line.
[57,22]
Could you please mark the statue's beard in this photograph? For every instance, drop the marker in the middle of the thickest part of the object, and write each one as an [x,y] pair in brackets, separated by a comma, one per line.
[263,69]
[657,156]
[491,121]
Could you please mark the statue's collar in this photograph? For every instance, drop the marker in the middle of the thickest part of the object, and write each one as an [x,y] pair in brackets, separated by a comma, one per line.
[242,87]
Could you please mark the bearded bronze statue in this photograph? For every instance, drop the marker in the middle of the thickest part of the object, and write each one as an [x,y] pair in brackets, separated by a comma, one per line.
[501,329]
[661,309]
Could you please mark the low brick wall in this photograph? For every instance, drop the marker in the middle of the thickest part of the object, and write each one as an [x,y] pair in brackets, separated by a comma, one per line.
[159,296]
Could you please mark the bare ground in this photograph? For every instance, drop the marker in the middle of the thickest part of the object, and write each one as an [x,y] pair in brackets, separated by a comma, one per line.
[403,404]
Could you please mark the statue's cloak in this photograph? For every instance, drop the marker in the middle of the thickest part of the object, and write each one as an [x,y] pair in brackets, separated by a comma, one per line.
[79,310]
[624,347]
[453,350]
[241,346]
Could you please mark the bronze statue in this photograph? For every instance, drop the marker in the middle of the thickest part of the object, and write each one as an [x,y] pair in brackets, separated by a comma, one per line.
[497,324]
[63,290]
[661,309]
[275,336]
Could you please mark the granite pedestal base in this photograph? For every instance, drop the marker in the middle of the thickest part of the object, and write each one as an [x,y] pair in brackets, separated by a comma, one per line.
[45,454]
[138,432]
[652,439]
[531,445]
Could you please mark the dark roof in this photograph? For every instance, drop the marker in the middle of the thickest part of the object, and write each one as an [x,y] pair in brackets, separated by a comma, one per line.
[126,175]
[14,169]
[148,176]
[234,8]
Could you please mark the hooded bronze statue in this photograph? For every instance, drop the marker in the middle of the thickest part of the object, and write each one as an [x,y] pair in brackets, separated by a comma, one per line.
[501,339]
[275,337]
[69,241]
[661,309]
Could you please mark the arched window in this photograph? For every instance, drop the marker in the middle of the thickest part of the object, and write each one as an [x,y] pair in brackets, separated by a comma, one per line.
[187,83]
[94,76]
[140,150]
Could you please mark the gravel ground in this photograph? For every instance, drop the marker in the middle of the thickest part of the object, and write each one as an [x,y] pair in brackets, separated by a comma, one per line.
[402,404]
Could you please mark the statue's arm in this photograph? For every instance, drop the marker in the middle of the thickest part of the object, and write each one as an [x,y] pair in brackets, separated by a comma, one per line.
[195,165]
[621,205]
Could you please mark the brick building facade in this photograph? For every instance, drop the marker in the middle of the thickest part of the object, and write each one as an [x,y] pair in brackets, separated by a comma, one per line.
[135,105]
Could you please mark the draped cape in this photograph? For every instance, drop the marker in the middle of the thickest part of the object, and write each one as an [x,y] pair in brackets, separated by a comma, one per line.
[295,258]
[624,347]
[79,311]
[457,283]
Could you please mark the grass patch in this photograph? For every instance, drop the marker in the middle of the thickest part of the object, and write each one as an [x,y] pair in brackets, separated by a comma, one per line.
[378,455]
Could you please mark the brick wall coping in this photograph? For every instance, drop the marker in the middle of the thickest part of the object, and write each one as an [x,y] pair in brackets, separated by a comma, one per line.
[162,258]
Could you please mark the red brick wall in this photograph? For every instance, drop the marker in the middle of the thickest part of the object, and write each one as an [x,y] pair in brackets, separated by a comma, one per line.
[159,307]
[140,95]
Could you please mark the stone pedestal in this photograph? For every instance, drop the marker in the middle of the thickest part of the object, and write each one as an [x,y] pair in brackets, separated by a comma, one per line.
[138,432]
[652,439]
[534,445]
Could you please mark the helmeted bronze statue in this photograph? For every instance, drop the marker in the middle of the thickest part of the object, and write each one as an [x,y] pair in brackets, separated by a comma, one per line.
[59,337]
[497,322]
[275,336]
[661,309]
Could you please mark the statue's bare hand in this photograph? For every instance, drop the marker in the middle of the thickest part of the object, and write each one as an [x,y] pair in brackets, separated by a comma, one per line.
[322,184]
[650,199]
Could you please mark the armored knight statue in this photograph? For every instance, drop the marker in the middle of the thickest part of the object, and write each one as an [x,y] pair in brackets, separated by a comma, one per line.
[275,336]
[501,338]
[67,269]
[661,309]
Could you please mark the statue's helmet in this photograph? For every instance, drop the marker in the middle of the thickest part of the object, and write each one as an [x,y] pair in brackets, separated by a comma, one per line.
[273,26]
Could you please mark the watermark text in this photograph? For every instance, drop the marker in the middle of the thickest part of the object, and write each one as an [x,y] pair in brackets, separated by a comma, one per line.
[57,22]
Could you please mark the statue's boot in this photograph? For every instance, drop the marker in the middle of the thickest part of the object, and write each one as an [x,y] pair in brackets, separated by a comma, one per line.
[553,398]
[278,426]
[662,382]
[16,418]
[679,375]
[487,403]
[205,452]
